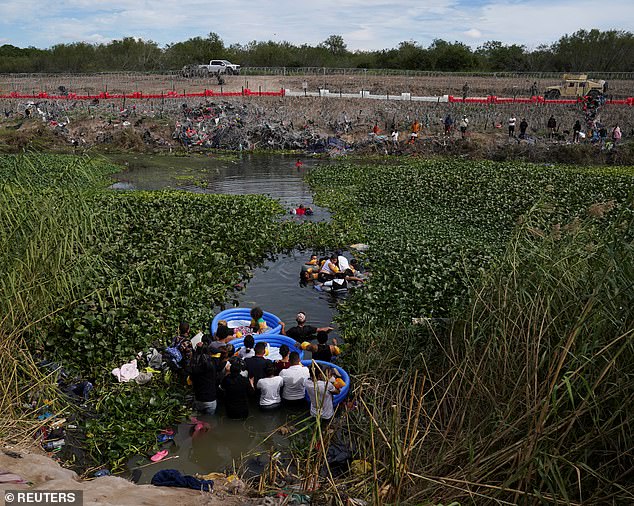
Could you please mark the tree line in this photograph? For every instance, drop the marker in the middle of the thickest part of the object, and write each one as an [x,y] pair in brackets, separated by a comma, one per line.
[584,50]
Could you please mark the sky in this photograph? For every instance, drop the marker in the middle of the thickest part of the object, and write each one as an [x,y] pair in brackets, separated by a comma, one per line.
[364,24]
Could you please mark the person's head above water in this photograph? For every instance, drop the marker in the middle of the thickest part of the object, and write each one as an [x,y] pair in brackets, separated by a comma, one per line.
[260,349]
[257,313]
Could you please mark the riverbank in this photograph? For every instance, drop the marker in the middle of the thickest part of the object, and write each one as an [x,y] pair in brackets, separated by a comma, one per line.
[45,474]
[330,127]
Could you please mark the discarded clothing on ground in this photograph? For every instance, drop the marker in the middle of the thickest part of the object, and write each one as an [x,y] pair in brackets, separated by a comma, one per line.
[143,378]
[127,372]
[174,478]
[154,359]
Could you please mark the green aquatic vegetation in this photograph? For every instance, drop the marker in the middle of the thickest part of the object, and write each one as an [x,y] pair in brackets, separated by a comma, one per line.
[527,395]
[172,256]
[522,394]
[143,261]
[433,224]
[92,277]
[135,415]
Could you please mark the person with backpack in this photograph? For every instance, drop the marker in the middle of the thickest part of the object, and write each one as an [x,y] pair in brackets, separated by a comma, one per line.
[322,350]
[237,389]
[179,354]
[320,392]
[448,123]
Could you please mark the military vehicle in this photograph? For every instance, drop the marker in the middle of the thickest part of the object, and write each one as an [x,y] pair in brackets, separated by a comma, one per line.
[575,85]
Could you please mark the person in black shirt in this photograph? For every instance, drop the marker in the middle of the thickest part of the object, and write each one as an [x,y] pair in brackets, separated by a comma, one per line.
[552,126]
[202,371]
[323,350]
[256,366]
[237,389]
[302,332]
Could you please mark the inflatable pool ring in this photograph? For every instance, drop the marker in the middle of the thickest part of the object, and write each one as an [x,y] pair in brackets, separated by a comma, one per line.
[345,377]
[244,313]
[273,340]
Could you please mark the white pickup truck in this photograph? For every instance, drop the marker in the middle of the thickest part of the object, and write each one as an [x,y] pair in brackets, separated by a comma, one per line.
[221,67]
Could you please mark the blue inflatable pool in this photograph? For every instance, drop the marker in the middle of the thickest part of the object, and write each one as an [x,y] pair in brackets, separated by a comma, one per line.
[344,376]
[273,340]
[244,313]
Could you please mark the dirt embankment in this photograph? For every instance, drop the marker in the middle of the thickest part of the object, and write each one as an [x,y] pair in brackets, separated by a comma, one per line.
[442,84]
[314,125]
[45,474]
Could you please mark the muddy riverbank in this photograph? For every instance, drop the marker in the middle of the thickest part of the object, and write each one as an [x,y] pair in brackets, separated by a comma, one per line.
[43,474]
[307,125]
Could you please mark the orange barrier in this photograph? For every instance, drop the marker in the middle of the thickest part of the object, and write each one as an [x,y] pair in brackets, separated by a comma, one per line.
[104,95]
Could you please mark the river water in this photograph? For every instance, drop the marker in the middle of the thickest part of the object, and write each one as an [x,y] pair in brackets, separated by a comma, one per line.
[274,286]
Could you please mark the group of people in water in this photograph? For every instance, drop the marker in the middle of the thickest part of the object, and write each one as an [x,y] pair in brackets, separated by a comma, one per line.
[332,273]
[217,371]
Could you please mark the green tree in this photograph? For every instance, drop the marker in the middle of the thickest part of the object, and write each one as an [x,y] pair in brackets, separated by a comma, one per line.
[585,50]
[450,56]
[499,57]
[336,45]
[195,50]
[411,56]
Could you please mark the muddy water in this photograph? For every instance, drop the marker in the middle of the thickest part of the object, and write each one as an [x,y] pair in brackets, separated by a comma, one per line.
[275,176]
[275,286]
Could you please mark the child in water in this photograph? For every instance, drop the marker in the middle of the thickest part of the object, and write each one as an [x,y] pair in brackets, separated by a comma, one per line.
[258,325]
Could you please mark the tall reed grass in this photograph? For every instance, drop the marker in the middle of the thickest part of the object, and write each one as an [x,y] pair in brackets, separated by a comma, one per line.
[528,397]
[46,221]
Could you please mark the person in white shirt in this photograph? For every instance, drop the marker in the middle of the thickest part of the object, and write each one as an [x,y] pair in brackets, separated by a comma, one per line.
[270,387]
[464,124]
[293,393]
[320,391]
[329,269]
[342,262]
[512,121]
[247,351]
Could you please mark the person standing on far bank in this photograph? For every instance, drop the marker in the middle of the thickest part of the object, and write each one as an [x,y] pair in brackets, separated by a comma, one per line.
[512,121]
